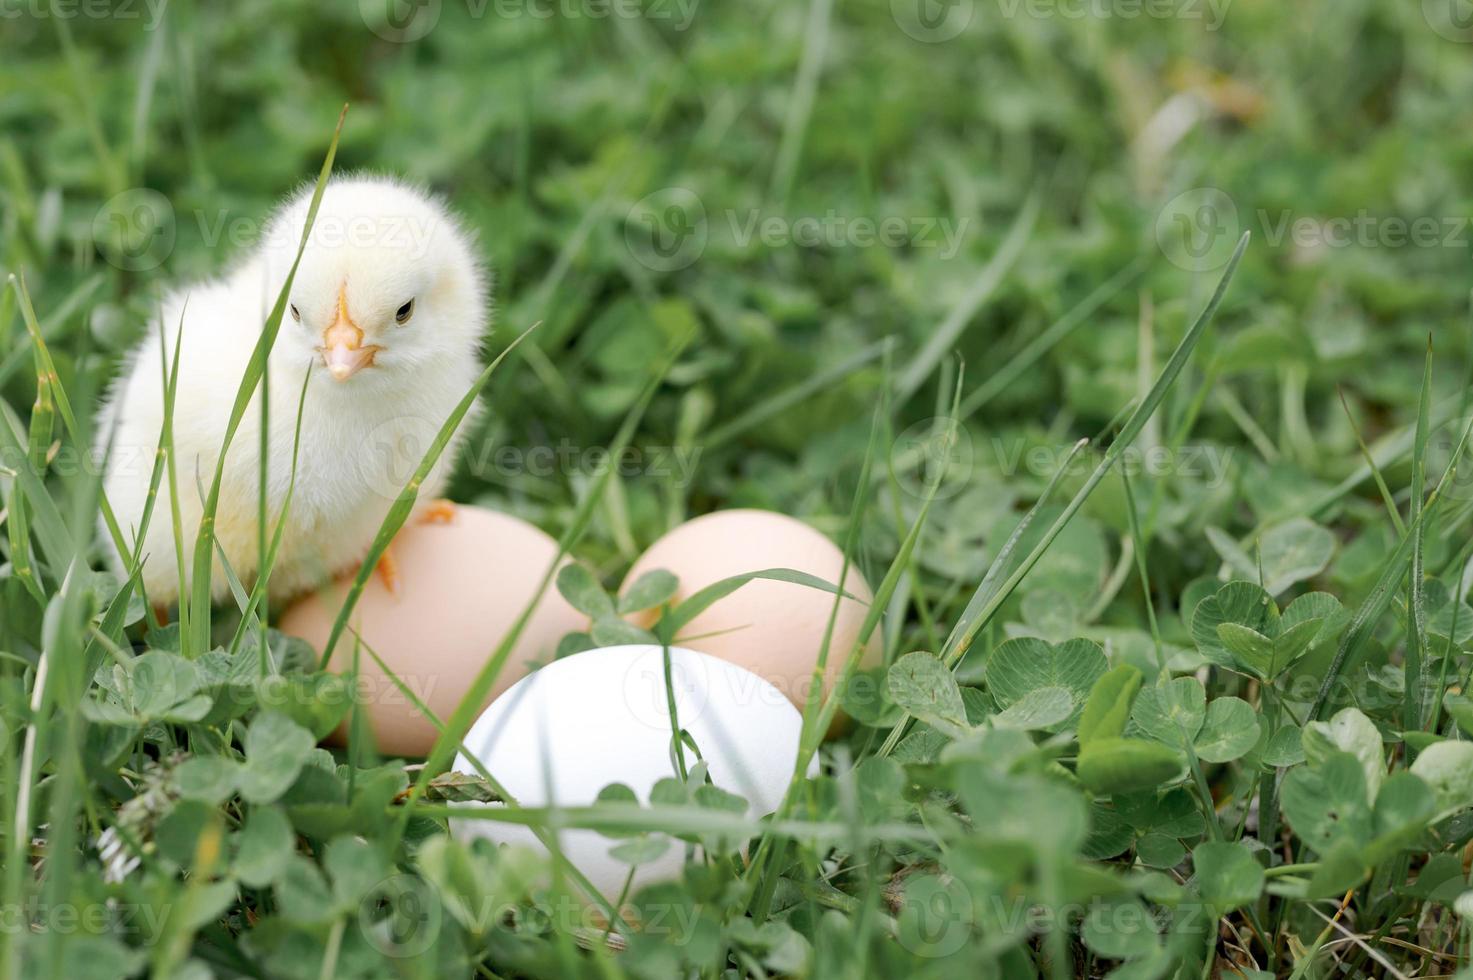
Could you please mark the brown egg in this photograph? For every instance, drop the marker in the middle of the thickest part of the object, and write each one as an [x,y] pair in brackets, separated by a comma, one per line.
[774,629]
[461,586]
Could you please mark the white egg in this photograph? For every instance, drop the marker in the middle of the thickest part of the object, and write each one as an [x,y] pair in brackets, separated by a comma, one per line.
[563,733]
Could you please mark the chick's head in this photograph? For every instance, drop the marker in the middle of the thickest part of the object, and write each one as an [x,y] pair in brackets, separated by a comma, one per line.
[388,286]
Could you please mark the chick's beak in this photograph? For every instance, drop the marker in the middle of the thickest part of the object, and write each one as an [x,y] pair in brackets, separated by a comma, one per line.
[343,351]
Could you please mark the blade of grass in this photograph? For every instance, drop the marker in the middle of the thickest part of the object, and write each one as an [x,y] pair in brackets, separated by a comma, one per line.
[1116,449]
[1411,718]
[198,638]
[1050,338]
[162,454]
[404,504]
[52,533]
[50,326]
[819,707]
[971,620]
[548,840]
[985,604]
[991,276]
[1365,452]
[702,600]
[18,533]
[1140,564]
[56,681]
[464,715]
[63,403]
[787,398]
[800,99]
[270,551]
[114,176]
[1447,652]
[148,75]
[470,703]
[166,441]
[1374,606]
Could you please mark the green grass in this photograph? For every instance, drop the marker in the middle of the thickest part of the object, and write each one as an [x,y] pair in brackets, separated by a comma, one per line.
[1175,612]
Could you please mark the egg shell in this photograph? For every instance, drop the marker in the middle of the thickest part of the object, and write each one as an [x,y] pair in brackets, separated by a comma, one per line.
[461,586]
[565,732]
[772,628]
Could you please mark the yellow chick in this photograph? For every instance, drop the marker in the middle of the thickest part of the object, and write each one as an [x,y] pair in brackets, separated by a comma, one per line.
[387,309]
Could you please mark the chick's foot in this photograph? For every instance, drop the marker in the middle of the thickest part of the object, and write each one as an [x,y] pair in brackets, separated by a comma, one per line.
[440,511]
[388,571]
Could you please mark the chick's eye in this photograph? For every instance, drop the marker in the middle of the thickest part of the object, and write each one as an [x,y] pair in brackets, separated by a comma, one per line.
[296,313]
[403,313]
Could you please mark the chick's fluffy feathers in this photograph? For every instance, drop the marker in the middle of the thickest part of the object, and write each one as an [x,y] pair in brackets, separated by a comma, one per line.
[376,244]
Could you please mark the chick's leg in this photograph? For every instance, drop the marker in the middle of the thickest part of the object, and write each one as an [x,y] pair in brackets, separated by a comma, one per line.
[436,512]
[440,511]
[388,570]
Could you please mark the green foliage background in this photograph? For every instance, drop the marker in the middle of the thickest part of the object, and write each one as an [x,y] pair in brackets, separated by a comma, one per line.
[1058,804]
